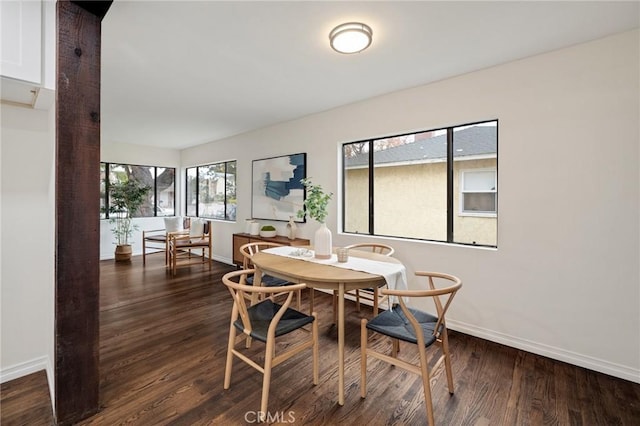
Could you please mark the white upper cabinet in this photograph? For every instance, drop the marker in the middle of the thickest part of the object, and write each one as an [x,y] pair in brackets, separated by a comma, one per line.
[21,30]
[28,52]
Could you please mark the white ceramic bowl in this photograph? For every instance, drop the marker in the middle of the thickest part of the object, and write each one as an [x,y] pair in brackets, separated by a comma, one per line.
[267,234]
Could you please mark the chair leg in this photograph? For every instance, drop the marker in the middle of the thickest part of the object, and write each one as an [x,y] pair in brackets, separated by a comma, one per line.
[358,300]
[229,363]
[375,301]
[395,347]
[174,267]
[166,252]
[314,336]
[266,381]
[426,386]
[311,296]
[144,252]
[363,358]
[447,360]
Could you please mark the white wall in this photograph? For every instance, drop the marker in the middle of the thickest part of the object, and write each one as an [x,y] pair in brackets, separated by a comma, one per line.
[117,152]
[566,272]
[564,281]
[27,281]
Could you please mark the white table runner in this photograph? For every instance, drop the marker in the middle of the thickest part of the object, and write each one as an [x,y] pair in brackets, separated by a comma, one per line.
[394,273]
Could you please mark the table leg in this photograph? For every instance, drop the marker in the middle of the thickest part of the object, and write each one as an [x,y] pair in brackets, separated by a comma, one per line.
[341,344]
[257,281]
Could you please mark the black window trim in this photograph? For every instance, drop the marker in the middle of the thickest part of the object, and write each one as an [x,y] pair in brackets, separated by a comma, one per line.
[197,195]
[155,187]
[450,184]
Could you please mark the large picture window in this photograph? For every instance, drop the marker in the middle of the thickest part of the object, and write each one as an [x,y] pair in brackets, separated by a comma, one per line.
[160,201]
[211,191]
[437,185]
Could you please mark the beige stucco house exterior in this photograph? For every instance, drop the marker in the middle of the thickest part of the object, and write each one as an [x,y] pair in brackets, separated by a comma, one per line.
[415,174]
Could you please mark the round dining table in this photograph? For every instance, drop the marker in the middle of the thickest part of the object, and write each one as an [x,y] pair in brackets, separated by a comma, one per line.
[323,275]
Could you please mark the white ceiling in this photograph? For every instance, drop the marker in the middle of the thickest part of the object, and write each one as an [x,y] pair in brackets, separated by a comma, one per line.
[181,73]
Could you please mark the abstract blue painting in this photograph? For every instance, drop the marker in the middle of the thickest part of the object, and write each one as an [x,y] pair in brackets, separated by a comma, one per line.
[277,193]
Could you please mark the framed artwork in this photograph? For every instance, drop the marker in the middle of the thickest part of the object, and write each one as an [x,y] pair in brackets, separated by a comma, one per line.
[276,192]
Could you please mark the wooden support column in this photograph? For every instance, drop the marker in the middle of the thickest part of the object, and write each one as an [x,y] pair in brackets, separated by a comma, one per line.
[77,209]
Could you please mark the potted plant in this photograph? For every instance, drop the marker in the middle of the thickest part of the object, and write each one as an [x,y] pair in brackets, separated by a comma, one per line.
[267,231]
[315,207]
[126,198]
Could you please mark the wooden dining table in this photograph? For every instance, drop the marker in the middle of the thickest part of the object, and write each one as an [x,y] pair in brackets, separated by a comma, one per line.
[323,276]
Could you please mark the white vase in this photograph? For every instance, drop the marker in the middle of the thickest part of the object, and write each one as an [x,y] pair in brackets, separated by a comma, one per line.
[255,228]
[291,229]
[322,242]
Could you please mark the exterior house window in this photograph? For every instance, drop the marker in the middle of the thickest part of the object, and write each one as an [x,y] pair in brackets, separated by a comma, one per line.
[435,185]
[478,192]
[160,200]
[211,191]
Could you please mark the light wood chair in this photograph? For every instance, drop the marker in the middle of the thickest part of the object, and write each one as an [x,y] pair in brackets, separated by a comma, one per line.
[371,294]
[414,326]
[265,321]
[181,246]
[247,251]
[157,240]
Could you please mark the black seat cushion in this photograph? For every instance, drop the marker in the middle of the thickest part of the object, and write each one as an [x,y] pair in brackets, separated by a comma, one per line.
[261,315]
[269,281]
[160,238]
[394,323]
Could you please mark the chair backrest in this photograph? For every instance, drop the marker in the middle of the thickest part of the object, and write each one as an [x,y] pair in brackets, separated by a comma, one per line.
[242,292]
[442,297]
[199,228]
[374,247]
[196,235]
[249,249]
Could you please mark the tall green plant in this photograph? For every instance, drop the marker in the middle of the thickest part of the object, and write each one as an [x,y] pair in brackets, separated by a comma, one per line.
[126,199]
[316,202]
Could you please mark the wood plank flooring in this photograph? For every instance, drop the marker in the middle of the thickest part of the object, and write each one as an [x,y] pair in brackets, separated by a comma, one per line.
[162,353]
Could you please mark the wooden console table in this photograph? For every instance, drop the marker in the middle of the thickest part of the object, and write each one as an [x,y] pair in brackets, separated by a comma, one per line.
[244,238]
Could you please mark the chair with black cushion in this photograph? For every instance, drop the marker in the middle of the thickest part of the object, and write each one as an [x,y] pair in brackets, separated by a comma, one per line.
[371,294]
[247,251]
[422,329]
[266,321]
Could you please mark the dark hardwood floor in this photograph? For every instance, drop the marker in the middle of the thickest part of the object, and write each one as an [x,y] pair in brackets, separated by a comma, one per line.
[162,352]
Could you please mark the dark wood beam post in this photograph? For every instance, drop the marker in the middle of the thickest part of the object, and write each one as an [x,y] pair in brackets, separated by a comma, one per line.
[77,210]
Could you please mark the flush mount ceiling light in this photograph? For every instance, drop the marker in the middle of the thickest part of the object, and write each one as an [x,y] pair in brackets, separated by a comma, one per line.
[352,37]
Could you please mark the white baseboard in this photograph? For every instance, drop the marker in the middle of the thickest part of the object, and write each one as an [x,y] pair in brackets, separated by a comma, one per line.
[600,365]
[29,367]
[223,260]
[24,369]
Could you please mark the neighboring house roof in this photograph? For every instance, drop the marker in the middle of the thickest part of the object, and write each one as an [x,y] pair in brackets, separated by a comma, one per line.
[470,142]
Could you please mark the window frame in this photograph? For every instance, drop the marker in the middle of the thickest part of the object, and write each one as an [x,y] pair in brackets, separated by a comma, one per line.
[471,213]
[450,161]
[104,212]
[196,198]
